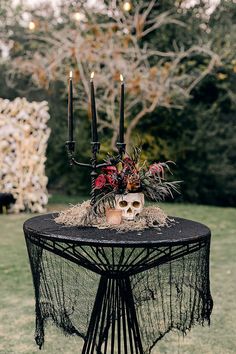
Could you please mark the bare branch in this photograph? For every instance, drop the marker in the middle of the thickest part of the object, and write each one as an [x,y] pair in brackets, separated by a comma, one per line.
[104,43]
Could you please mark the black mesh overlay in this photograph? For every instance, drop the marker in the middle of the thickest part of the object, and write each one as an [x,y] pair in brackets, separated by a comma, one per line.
[134,287]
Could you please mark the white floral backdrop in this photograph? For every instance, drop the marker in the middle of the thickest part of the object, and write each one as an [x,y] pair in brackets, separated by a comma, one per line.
[23,141]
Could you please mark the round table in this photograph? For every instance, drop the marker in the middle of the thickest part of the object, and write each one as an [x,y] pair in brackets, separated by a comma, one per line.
[147,282]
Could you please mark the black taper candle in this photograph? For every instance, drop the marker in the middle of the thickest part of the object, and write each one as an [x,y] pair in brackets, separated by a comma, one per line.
[93,111]
[121,130]
[70,109]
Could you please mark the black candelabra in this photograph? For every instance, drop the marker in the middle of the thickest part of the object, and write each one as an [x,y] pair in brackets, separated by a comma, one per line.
[94,165]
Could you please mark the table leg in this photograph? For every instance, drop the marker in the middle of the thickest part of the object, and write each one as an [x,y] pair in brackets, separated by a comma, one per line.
[113,326]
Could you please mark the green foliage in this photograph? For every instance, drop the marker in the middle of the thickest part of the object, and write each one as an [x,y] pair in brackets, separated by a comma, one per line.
[201,139]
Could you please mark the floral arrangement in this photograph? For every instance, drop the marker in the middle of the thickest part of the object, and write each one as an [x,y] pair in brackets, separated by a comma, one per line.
[120,190]
[130,175]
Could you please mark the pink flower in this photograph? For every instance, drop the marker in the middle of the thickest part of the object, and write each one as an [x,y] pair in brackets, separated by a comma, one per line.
[156,168]
[100,182]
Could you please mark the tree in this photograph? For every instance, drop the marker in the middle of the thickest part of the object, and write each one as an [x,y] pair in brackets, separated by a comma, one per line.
[110,41]
[201,137]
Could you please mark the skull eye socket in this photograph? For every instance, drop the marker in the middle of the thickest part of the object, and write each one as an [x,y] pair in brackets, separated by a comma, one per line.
[136,204]
[123,203]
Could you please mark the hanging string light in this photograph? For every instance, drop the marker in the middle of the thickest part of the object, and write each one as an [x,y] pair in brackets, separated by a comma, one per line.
[79,16]
[127,6]
[32,26]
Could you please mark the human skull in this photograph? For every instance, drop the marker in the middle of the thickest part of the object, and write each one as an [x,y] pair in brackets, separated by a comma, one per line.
[131,204]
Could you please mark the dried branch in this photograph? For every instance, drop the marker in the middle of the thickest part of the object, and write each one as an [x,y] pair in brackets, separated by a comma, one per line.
[105,43]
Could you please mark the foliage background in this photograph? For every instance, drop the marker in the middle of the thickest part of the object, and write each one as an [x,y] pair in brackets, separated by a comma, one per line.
[200,137]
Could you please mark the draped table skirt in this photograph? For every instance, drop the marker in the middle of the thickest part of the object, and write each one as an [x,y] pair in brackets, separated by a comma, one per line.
[120,292]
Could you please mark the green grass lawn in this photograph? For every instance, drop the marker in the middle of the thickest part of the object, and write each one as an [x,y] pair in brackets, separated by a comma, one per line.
[17,299]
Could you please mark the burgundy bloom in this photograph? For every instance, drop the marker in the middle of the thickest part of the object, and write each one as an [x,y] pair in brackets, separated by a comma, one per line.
[128,161]
[110,170]
[156,168]
[100,181]
[128,165]
[111,180]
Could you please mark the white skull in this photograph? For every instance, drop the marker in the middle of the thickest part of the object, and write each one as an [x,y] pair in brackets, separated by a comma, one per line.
[131,204]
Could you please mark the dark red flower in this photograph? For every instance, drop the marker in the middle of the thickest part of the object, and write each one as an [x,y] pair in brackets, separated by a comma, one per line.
[112,180]
[109,170]
[128,165]
[156,168]
[100,181]
[128,161]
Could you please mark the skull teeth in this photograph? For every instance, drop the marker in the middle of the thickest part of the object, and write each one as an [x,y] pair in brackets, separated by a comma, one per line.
[131,204]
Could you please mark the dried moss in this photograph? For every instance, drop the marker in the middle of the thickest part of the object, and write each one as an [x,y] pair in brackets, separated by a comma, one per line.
[77,215]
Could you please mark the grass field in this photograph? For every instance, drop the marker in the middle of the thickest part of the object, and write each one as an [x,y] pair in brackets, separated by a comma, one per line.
[17,301]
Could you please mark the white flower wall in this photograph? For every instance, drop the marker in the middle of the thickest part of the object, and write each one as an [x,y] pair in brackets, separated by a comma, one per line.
[23,141]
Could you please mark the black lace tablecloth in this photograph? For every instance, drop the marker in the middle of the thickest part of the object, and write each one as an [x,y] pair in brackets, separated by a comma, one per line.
[119,290]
